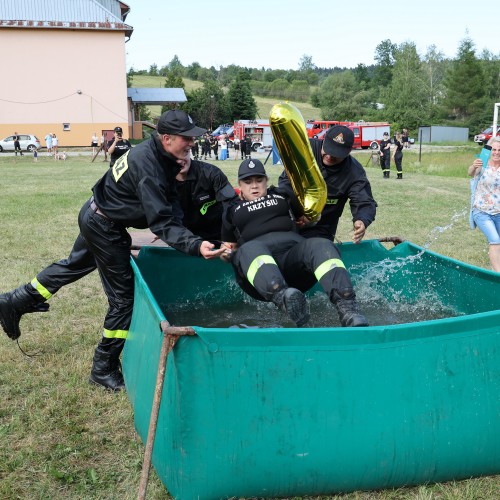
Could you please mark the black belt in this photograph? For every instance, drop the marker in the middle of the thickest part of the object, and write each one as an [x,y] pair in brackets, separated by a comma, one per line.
[95,208]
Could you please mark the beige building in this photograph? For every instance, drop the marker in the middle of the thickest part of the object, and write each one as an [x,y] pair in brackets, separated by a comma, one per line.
[64,69]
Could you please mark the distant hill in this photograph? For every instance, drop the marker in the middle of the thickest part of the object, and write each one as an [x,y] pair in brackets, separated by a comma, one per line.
[264,104]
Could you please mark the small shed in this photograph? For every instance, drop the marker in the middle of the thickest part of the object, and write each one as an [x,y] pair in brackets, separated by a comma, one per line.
[438,133]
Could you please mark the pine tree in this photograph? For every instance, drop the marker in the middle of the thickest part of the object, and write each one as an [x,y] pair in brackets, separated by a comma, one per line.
[464,81]
[241,103]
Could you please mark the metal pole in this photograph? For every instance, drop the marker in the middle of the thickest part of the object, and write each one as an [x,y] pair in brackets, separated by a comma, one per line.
[420,150]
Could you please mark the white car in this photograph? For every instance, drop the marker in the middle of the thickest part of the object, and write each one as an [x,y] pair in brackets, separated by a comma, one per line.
[26,141]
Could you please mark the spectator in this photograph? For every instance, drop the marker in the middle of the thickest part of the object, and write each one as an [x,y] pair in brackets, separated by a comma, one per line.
[405,138]
[117,146]
[55,144]
[486,200]
[223,148]
[48,143]
[94,144]
[17,144]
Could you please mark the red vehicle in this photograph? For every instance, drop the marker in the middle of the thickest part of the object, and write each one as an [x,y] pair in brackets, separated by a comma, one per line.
[485,135]
[366,134]
[369,134]
[315,127]
[258,130]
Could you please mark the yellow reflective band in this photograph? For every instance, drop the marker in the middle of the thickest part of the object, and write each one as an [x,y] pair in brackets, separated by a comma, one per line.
[332,201]
[41,289]
[256,264]
[327,266]
[120,166]
[115,334]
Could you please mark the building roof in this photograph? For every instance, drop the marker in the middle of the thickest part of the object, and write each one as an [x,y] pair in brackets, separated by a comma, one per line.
[156,95]
[108,15]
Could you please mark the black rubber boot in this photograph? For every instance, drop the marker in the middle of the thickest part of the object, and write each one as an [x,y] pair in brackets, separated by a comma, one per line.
[400,176]
[294,303]
[347,308]
[106,366]
[14,304]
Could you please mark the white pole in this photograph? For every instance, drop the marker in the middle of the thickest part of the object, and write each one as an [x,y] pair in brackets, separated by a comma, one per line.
[495,119]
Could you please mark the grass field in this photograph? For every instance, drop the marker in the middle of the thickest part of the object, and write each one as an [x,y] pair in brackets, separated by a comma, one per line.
[64,439]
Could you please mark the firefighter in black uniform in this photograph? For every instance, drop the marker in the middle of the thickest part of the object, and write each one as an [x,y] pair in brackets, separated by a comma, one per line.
[397,156]
[248,146]
[214,144]
[385,155]
[195,150]
[138,191]
[117,146]
[345,180]
[272,262]
[207,147]
[203,191]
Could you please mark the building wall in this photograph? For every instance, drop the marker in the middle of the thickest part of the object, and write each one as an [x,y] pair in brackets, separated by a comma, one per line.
[437,133]
[44,72]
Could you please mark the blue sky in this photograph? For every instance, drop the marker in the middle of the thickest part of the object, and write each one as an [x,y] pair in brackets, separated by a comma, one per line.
[277,33]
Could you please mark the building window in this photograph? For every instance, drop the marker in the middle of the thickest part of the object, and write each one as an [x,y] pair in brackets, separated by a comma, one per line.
[66,127]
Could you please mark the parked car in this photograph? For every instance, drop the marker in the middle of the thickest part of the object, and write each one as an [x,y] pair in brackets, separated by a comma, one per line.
[26,141]
[485,135]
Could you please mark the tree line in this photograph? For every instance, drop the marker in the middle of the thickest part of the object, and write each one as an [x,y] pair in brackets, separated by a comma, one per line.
[403,87]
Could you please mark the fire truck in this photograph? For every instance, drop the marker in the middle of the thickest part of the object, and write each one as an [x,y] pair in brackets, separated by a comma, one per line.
[315,127]
[368,134]
[258,130]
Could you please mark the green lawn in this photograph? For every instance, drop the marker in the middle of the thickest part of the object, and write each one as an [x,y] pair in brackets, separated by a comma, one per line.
[64,439]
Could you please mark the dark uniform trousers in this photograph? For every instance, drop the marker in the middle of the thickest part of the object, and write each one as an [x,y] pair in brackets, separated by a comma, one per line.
[105,245]
[385,163]
[276,260]
[398,160]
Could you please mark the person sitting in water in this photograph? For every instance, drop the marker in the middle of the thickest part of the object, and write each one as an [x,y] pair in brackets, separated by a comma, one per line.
[271,261]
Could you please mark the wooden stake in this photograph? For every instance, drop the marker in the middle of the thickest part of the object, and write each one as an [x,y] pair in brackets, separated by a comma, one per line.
[170,336]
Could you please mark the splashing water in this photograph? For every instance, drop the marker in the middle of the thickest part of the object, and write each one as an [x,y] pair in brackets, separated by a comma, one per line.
[379,296]
[438,230]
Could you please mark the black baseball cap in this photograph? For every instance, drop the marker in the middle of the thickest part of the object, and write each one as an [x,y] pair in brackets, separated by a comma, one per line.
[338,141]
[251,168]
[177,122]
[118,130]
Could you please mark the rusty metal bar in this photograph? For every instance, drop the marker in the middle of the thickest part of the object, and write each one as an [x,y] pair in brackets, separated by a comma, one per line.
[392,239]
[171,335]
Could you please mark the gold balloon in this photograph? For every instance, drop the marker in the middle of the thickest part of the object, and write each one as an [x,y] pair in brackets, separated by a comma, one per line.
[289,132]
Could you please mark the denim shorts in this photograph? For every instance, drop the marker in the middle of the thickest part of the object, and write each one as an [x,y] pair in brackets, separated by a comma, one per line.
[489,225]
